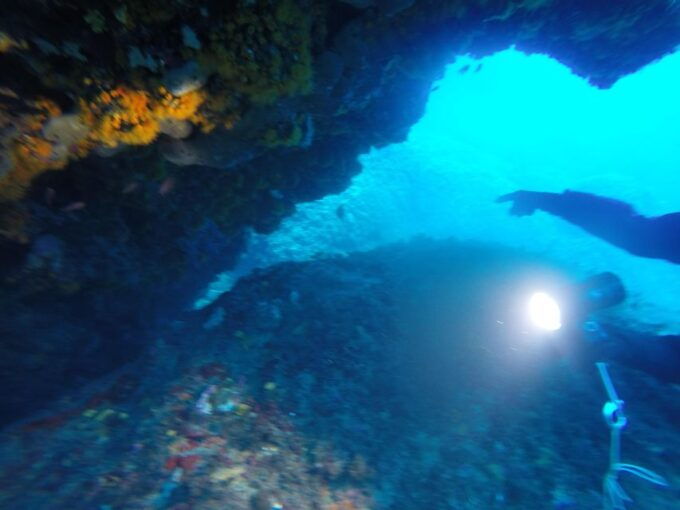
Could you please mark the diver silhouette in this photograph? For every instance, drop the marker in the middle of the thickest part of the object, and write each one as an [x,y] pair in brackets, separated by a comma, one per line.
[612,220]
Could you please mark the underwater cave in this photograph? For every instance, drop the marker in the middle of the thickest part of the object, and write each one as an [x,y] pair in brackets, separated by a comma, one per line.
[339,255]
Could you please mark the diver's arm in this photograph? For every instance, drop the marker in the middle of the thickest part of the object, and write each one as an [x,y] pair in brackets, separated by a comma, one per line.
[587,210]
[573,206]
[611,220]
[667,230]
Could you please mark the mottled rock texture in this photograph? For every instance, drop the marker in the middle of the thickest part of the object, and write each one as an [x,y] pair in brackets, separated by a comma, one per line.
[145,138]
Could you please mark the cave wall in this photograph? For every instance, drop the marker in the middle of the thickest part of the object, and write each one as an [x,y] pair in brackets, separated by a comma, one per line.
[141,141]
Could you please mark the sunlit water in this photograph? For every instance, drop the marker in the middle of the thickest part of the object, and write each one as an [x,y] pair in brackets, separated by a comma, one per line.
[518,122]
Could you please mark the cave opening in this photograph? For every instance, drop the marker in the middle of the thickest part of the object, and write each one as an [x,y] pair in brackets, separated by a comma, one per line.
[493,125]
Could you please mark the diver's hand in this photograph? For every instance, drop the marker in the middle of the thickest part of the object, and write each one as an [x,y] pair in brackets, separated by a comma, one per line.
[524,203]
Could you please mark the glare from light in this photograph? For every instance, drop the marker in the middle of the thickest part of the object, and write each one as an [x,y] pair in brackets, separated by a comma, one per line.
[544,312]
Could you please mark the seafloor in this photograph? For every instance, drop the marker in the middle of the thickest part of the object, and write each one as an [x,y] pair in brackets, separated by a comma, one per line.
[372,381]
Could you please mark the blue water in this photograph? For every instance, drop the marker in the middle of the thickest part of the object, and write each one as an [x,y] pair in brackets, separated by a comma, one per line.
[511,122]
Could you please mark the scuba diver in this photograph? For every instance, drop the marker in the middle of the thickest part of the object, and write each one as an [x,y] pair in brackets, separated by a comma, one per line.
[619,224]
[616,222]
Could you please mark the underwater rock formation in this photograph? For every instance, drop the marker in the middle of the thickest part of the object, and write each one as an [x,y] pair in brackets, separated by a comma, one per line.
[146,137]
[323,385]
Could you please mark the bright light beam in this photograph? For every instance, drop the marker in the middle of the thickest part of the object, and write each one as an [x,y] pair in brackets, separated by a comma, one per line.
[544,312]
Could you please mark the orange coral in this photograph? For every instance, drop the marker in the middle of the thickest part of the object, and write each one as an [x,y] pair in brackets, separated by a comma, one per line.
[218,108]
[120,116]
[30,155]
[133,117]
[179,107]
[33,151]
[47,108]
[252,54]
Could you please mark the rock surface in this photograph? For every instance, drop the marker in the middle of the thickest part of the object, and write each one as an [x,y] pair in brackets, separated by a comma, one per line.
[375,381]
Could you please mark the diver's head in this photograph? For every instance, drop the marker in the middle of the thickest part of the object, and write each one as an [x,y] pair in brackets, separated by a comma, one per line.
[600,291]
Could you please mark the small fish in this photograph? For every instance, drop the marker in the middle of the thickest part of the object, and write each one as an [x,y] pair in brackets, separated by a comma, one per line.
[6,91]
[477,69]
[166,186]
[74,206]
[340,212]
[464,69]
[130,187]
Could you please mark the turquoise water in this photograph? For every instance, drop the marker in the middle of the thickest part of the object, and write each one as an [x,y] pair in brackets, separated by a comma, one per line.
[519,122]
